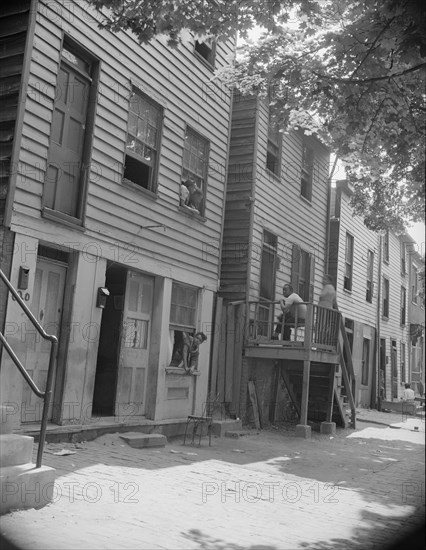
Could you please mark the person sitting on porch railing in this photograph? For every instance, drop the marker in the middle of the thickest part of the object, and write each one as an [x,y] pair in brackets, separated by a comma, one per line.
[291,304]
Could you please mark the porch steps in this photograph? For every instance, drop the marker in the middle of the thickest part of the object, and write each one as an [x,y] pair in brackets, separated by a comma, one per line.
[22,485]
[318,391]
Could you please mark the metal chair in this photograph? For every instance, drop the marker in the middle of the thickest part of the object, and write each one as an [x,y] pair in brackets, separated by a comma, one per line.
[197,422]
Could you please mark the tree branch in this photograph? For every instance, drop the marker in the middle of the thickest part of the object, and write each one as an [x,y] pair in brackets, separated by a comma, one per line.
[366,80]
[370,49]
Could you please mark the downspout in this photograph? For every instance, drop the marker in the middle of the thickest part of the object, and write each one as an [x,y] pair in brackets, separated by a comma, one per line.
[379,297]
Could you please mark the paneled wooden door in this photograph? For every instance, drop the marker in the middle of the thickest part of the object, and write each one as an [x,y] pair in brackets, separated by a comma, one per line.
[46,305]
[134,354]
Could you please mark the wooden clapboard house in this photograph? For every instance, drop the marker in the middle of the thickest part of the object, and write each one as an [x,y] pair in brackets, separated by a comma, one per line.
[113,196]
[276,232]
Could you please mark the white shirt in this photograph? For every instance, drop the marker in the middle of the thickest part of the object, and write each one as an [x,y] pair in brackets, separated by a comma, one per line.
[289,305]
[408,394]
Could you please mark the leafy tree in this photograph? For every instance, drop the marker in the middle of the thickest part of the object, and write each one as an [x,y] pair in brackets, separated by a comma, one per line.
[351,72]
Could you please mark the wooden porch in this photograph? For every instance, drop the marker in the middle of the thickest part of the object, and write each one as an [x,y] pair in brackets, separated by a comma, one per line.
[315,365]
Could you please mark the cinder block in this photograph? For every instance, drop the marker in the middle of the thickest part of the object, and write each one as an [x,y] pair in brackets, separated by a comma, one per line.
[220,427]
[140,441]
[303,431]
[15,449]
[328,428]
[25,486]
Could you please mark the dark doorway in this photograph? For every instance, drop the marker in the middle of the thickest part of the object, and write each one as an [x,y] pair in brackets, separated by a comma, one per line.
[394,370]
[382,368]
[109,343]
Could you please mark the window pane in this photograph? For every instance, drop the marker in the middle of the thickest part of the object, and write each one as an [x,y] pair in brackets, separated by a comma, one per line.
[195,156]
[183,305]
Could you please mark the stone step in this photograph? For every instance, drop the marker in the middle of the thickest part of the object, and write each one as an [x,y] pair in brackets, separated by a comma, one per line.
[24,486]
[6,419]
[140,440]
[220,427]
[15,449]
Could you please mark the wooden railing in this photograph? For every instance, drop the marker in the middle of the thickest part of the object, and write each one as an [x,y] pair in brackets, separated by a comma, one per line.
[319,329]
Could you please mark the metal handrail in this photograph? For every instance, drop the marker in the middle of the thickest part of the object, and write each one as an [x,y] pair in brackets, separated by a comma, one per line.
[46,395]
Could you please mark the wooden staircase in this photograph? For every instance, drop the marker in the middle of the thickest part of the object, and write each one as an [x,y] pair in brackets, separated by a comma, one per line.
[331,386]
[22,484]
[319,392]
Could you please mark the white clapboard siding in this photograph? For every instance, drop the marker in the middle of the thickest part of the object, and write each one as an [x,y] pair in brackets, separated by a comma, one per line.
[353,304]
[180,82]
[280,209]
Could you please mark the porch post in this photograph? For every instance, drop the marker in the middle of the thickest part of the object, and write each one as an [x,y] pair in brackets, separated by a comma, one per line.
[302,429]
[305,392]
[330,399]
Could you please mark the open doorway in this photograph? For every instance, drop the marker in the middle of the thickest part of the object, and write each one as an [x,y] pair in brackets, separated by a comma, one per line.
[109,343]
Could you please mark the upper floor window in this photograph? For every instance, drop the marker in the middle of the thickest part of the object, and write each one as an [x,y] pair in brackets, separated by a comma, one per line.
[194,171]
[307,172]
[206,49]
[268,266]
[414,284]
[385,297]
[386,247]
[302,273]
[70,138]
[273,150]
[143,141]
[370,272]
[403,258]
[403,305]
[349,258]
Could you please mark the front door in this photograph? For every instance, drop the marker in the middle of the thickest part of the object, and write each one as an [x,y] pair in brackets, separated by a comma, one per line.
[46,305]
[394,370]
[134,354]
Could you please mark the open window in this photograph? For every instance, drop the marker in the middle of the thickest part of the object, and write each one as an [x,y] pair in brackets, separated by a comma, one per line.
[183,317]
[194,172]
[303,273]
[143,142]
[206,49]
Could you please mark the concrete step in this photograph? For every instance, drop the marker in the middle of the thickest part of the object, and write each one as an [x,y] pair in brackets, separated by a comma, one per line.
[15,449]
[24,486]
[6,419]
[140,440]
[220,427]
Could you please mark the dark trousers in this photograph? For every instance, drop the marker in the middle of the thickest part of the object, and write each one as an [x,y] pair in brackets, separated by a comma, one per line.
[289,321]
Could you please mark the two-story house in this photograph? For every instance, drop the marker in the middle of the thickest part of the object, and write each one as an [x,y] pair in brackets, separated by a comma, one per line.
[114,184]
[275,232]
[374,273]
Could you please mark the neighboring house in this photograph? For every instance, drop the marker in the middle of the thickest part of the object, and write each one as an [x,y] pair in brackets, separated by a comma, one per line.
[105,243]
[413,268]
[372,274]
[275,232]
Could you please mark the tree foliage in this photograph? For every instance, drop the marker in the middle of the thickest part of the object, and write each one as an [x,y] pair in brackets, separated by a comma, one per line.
[351,72]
